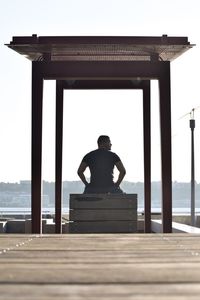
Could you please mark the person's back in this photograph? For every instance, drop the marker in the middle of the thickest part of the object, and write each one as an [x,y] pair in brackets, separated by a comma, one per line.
[101,163]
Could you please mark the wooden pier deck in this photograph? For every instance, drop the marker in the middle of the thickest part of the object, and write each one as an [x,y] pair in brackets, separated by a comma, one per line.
[100,266]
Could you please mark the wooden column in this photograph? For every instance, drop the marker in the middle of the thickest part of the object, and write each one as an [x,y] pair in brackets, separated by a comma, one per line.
[59,143]
[165,129]
[147,155]
[36,159]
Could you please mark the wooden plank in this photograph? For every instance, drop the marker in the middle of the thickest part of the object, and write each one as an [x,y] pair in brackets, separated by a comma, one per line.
[102,291]
[97,258]
[102,215]
[102,273]
[93,201]
[12,243]
[103,227]
[100,266]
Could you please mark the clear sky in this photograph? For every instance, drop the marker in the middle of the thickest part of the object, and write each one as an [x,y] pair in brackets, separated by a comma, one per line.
[87,114]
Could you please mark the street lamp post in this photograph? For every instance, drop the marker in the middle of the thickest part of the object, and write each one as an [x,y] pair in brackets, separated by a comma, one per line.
[192,126]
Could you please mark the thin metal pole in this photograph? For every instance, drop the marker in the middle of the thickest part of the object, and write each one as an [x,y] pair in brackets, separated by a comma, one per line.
[192,126]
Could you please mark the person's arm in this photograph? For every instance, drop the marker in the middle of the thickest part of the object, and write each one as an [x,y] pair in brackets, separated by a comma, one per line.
[122,172]
[81,171]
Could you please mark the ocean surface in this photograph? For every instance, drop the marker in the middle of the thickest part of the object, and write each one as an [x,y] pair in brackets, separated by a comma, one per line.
[65,210]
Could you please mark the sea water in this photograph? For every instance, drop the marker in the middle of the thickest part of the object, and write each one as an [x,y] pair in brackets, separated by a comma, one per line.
[65,210]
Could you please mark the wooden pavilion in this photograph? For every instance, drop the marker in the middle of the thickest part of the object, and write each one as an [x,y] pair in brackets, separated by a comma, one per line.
[101,63]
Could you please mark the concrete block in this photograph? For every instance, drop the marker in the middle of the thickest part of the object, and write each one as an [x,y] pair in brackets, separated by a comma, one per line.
[3,225]
[49,228]
[156,226]
[28,226]
[24,226]
[140,225]
[45,222]
[15,226]
[65,227]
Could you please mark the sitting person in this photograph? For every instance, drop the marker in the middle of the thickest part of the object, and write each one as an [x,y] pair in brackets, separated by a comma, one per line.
[101,163]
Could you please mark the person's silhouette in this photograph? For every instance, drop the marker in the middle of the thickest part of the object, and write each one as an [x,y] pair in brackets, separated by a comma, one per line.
[101,163]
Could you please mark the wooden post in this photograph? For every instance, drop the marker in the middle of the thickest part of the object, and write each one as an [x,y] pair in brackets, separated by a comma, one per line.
[165,127]
[59,143]
[36,159]
[147,155]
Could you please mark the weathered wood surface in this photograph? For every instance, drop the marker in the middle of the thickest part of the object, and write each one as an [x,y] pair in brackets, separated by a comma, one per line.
[103,213]
[100,266]
[103,227]
[103,201]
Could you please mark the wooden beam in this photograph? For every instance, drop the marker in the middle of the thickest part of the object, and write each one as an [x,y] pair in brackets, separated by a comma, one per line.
[147,155]
[36,182]
[59,143]
[165,130]
[93,84]
[117,70]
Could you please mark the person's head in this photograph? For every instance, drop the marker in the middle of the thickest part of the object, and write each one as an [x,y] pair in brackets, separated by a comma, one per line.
[104,142]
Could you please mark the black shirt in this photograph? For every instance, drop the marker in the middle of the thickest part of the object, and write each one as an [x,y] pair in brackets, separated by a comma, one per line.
[101,163]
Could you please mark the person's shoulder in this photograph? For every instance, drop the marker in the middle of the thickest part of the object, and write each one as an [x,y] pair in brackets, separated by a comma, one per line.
[91,153]
[115,155]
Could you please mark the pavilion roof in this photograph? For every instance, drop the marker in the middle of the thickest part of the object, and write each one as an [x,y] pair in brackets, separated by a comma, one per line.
[100,48]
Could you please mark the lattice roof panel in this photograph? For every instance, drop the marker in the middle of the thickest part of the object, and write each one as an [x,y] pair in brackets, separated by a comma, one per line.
[162,48]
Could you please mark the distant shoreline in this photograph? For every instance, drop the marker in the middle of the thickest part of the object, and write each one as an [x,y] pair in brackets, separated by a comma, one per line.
[65,210]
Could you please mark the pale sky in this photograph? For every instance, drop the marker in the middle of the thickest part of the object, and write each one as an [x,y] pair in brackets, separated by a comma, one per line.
[87,114]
